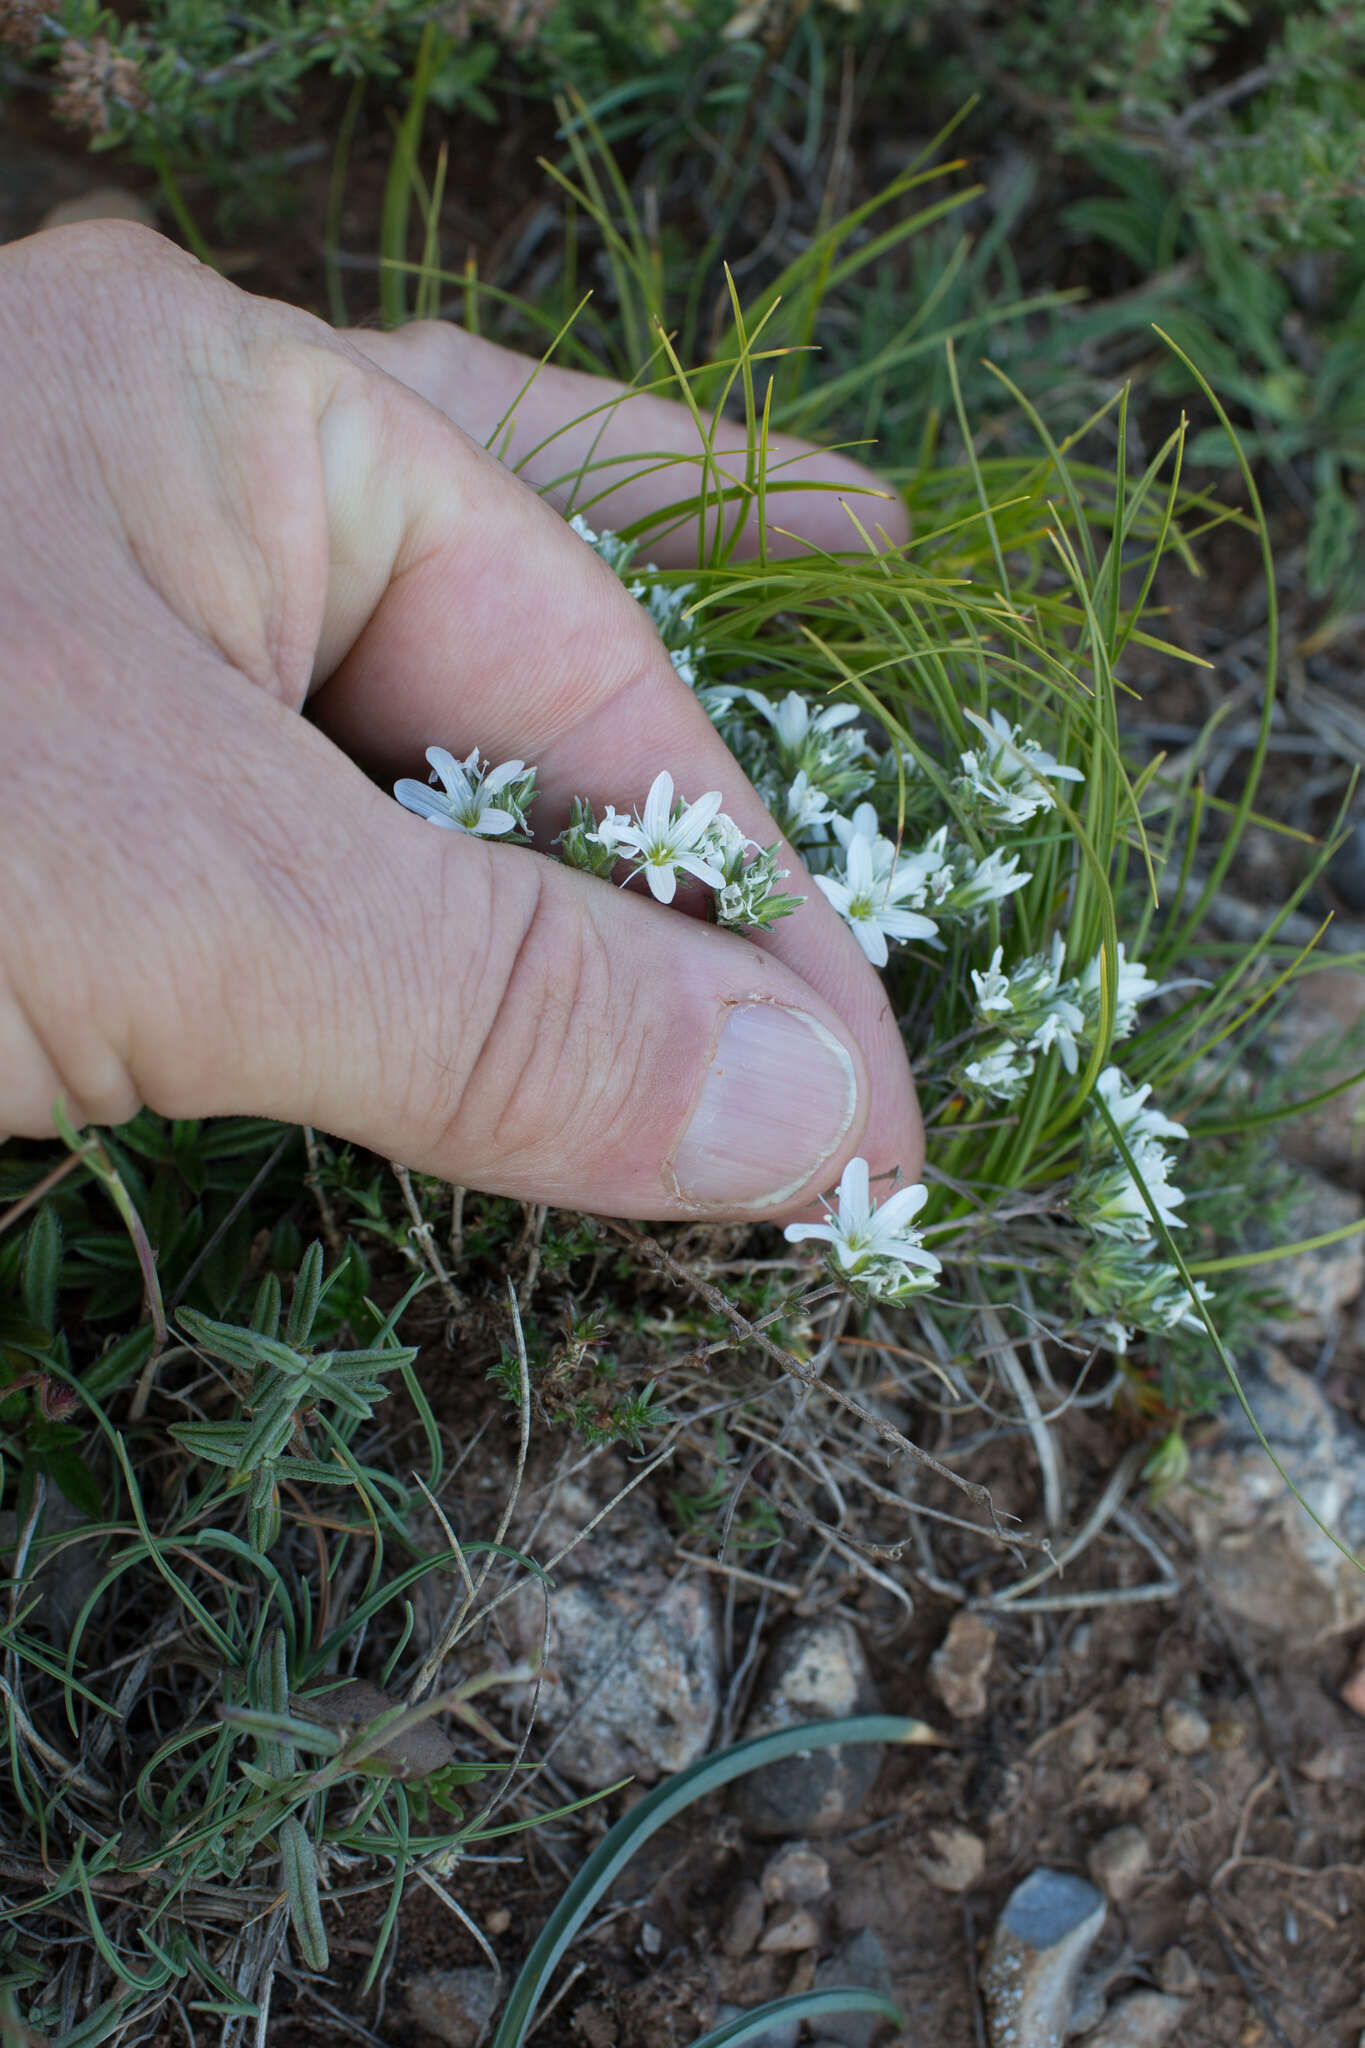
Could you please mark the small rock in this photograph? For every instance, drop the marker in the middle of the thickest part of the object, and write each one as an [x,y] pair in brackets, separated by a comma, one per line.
[1142,2020]
[633,1674]
[797,1875]
[1041,1940]
[596,2025]
[1261,1555]
[651,1938]
[1318,1039]
[802,1976]
[785,2034]
[1353,1687]
[815,1672]
[1177,1973]
[1186,1730]
[101,202]
[1119,1861]
[791,1930]
[1084,1744]
[744,1923]
[1325,1764]
[1316,1285]
[498,1921]
[861,1962]
[1116,1791]
[958,1667]
[454,2005]
[958,1860]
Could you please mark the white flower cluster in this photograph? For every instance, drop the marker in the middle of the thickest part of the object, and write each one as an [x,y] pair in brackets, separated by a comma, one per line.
[813,766]
[831,792]
[669,838]
[1035,1010]
[1005,782]
[807,764]
[661,842]
[1110,1199]
[1122,1279]
[873,1247]
[883,893]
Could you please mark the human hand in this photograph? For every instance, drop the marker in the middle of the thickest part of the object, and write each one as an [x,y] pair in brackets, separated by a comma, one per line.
[213,511]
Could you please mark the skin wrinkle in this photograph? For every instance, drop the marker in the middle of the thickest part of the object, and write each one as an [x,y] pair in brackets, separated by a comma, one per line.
[555,1031]
[503,928]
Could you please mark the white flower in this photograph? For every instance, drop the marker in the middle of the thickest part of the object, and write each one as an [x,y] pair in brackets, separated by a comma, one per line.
[791,720]
[613,824]
[1060,1027]
[1134,985]
[723,842]
[916,874]
[1108,1196]
[1171,1307]
[1001,1072]
[464,803]
[804,808]
[993,998]
[1114,1201]
[868,1240]
[988,881]
[663,842]
[870,902]
[1010,775]
[864,824]
[1135,1123]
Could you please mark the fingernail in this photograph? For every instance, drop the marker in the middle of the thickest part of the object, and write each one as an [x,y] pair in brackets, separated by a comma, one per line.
[778,1100]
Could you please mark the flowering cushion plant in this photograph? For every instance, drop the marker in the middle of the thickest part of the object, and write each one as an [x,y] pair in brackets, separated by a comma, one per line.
[981,854]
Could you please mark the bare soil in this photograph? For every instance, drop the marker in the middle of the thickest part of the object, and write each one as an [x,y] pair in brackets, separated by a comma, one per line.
[1257,1844]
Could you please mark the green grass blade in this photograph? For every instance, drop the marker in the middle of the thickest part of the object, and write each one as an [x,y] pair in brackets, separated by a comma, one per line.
[653,1811]
[805,2005]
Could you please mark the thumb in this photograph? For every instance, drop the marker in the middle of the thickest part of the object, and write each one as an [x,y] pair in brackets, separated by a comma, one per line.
[479,1011]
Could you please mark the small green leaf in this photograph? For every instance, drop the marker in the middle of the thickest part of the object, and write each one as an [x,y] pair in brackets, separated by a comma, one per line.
[307,1294]
[301,1890]
[265,1314]
[119,1362]
[43,1267]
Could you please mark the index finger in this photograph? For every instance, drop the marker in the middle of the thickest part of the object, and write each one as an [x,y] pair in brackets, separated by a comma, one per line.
[624,453]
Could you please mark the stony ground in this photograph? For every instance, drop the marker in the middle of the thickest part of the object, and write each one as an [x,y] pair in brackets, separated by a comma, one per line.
[1187,1754]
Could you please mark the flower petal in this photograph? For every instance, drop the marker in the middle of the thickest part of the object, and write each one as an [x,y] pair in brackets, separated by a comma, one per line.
[662,880]
[855,1202]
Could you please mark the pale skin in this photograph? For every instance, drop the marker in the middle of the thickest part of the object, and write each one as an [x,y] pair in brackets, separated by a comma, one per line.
[214,511]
